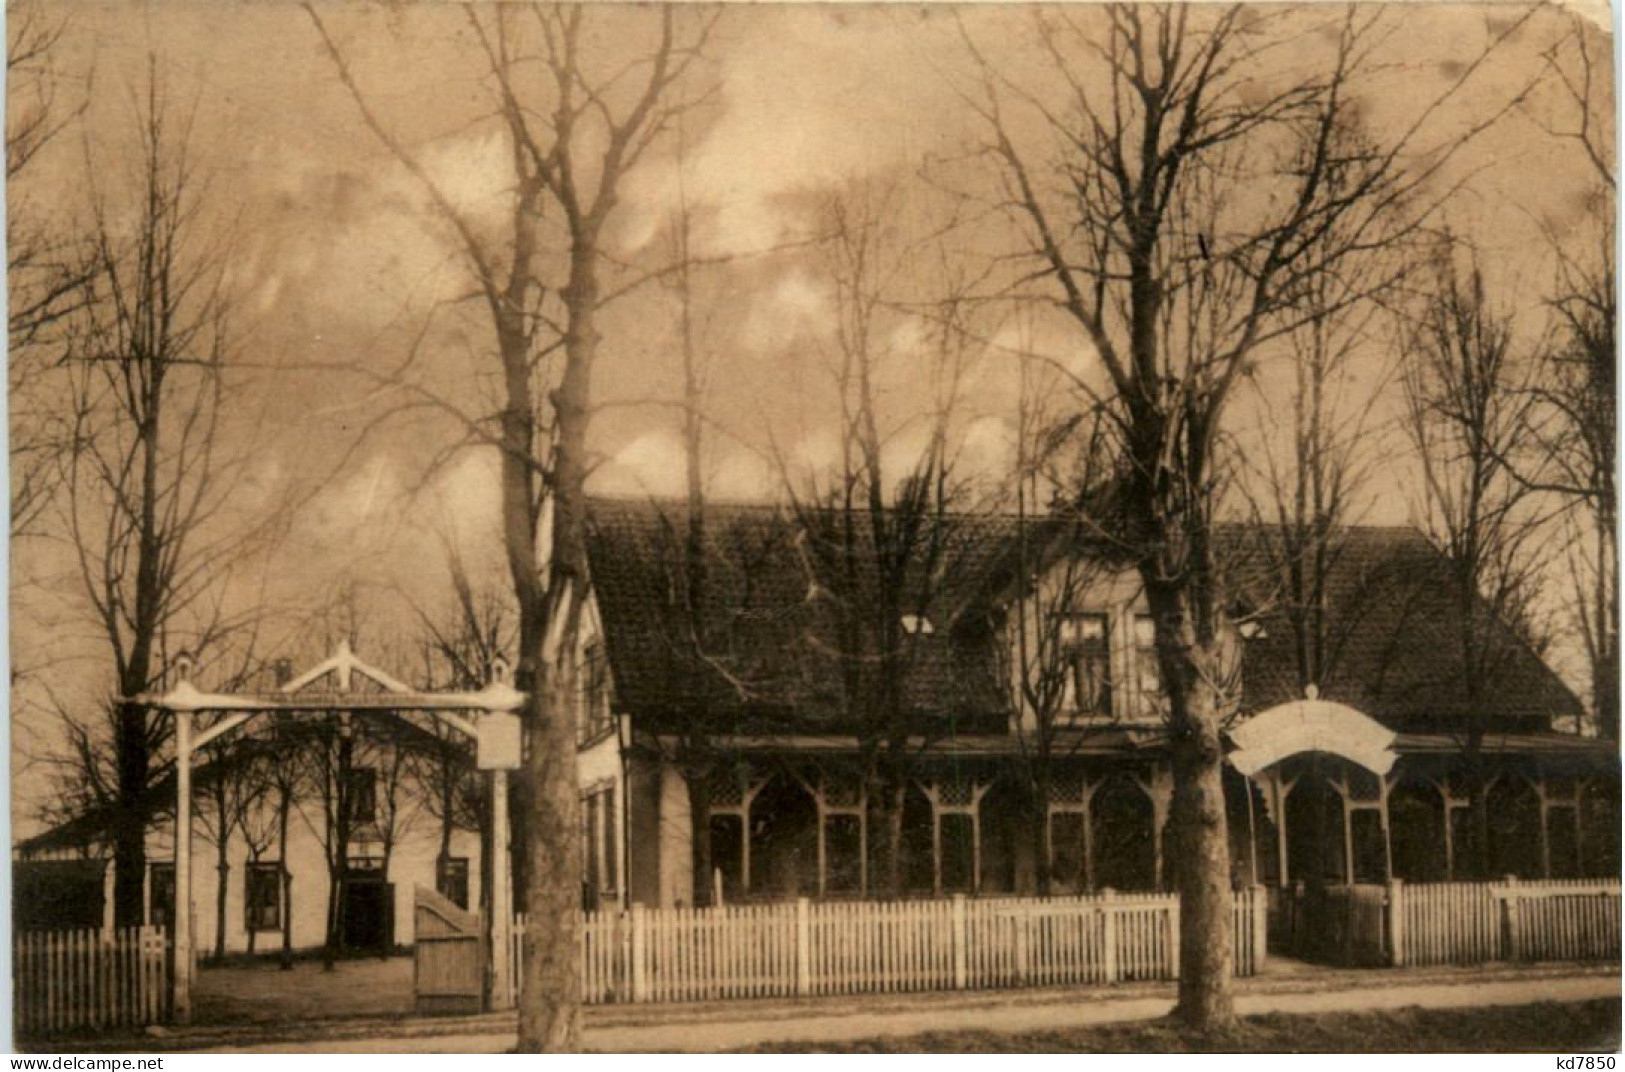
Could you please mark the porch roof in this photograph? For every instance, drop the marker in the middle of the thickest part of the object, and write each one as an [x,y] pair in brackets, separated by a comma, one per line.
[1538,745]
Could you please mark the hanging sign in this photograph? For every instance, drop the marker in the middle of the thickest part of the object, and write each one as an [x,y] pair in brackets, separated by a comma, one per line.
[498,743]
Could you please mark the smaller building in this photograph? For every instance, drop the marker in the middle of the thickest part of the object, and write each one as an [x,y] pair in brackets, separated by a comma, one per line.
[386,773]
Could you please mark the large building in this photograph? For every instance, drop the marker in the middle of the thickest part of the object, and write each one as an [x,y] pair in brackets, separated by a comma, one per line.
[1036,744]
[1032,745]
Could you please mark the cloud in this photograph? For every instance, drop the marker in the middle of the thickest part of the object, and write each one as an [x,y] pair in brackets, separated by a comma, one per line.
[651,464]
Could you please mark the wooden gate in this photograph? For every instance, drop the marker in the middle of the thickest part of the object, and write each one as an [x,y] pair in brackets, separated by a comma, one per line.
[448,961]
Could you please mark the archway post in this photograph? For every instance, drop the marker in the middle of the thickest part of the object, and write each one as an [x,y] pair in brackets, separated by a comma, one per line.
[502,995]
[182,981]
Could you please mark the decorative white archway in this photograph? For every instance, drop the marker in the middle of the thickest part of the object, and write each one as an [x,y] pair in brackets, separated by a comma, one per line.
[1312,725]
[493,727]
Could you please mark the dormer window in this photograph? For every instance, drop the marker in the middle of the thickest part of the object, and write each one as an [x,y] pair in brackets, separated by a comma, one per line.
[1085,644]
[1252,629]
[917,625]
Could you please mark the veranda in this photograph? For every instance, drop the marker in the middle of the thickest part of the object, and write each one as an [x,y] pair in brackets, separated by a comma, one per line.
[1317,793]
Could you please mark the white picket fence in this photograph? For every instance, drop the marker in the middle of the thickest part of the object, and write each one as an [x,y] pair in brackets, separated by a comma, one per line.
[88,979]
[1477,922]
[865,947]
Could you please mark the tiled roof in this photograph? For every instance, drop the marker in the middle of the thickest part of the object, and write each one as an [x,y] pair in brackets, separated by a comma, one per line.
[769,658]
[1393,647]
[762,654]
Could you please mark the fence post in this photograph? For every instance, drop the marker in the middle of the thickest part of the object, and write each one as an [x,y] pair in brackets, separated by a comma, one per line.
[640,951]
[1023,955]
[1261,926]
[1396,922]
[1514,921]
[1172,920]
[1108,936]
[803,947]
[960,942]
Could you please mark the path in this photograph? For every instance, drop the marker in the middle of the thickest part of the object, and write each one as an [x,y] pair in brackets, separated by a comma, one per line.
[751,1026]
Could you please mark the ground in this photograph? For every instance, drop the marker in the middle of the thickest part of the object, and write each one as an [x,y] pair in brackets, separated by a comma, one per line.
[261,993]
[361,1007]
[1582,1027]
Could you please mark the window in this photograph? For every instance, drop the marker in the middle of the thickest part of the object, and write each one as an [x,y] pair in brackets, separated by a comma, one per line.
[161,903]
[609,856]
[1086,646]
[600,847]
[1147,675]
[262,897]
[595,717]
[361,794]
[451,879]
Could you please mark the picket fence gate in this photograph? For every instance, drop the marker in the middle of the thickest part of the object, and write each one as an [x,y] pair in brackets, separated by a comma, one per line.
[89,979]
[866,947]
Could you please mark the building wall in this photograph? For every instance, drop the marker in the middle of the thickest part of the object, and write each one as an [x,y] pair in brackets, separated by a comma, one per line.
[412,863]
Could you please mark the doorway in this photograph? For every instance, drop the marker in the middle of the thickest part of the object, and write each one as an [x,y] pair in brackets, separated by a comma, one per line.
[369,914]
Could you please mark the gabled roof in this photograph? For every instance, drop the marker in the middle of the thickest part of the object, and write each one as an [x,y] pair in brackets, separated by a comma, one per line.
[87,830]
[767,659]
[762,652]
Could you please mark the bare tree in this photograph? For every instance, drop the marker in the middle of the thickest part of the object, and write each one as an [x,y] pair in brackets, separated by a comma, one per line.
[1304,494]
[1059,678]
[263,824]
[146,477]
[460,648]
[1186,206]
[877,540]
[233,788]
[1577,393]
[47,261]
[1469,408]
[576,122]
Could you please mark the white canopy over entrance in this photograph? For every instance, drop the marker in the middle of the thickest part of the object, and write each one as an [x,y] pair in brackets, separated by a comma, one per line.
[1312,725]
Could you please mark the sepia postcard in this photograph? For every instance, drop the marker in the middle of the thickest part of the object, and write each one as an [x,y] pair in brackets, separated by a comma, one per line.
[812,527]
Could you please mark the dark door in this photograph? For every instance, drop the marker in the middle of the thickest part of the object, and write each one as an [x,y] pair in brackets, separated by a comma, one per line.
[369,910]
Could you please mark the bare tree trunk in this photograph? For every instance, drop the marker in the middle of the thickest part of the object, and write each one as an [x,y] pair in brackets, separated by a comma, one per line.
[1044,843]
[222,868]
[699,831]
[1192,665]
[894,876]
[129,826]
[284,804]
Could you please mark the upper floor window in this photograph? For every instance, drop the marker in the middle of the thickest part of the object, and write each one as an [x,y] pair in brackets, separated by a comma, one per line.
[1085,643]
[1147,673]
[595,708]
[361,794]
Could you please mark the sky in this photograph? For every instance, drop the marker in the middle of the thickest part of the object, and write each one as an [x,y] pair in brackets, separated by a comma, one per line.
[337,262]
